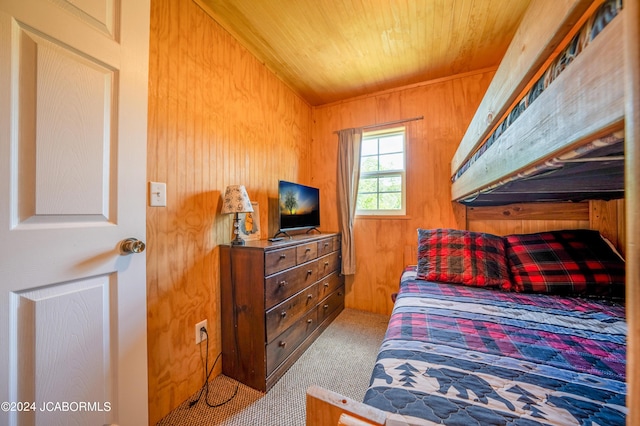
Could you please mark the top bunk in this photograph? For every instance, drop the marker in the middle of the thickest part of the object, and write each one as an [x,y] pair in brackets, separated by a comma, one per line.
[551,125]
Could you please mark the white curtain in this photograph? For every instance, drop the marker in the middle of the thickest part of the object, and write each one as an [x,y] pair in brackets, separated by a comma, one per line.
[349,144]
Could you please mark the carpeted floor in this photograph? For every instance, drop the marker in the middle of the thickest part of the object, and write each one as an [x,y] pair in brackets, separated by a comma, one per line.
[341,360]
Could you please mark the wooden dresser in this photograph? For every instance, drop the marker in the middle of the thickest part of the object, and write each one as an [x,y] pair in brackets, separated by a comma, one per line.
[276,298]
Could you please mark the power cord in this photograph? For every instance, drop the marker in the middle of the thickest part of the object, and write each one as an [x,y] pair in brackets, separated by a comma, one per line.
[207,372]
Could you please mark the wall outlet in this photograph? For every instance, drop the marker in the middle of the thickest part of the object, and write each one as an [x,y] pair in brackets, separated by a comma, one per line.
[200,335]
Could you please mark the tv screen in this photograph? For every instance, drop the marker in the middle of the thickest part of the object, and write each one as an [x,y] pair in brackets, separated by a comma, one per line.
[299,206]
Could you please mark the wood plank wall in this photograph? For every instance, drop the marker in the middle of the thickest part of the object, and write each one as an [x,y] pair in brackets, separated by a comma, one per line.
[385,245]
[217,116]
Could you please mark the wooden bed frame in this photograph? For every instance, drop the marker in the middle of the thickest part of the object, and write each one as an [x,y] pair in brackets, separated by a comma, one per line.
[547,24]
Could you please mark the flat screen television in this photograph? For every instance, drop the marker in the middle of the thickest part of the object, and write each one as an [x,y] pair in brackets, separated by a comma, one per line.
[298,206]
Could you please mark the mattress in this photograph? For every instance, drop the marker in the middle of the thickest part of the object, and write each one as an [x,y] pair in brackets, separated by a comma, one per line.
[461,355]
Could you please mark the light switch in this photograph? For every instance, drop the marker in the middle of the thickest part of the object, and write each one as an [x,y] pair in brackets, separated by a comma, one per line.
[157,194]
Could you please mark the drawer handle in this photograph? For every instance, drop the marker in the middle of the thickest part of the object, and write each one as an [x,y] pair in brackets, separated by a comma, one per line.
[326,284]
[310,296]
[326,263]
[326,306]
[309,271]
[282,344]
[283,314]
[326,244]
[283,283]
[308,250]
[339,293]
[283,256]
[309,321]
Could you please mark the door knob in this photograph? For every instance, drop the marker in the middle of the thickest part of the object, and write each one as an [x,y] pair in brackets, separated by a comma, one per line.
[131,245]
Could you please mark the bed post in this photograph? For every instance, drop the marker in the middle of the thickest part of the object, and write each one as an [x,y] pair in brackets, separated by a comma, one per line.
[632,203]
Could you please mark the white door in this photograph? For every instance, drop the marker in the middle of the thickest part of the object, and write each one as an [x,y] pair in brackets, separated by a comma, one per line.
[73,121]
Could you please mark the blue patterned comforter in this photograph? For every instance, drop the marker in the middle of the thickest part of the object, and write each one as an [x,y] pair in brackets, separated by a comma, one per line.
[459,355]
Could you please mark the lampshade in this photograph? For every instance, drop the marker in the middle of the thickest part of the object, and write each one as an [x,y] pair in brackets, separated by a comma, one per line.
[236,200]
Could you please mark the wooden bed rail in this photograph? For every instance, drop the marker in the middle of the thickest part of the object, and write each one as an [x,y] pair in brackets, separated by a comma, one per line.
[327,408]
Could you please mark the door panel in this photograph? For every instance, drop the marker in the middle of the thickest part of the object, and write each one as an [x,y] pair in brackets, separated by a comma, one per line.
[73,105]
[99,14]
[69,130]
[47,343]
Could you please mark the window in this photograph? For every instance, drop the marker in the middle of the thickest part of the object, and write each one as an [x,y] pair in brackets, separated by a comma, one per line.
[381,190]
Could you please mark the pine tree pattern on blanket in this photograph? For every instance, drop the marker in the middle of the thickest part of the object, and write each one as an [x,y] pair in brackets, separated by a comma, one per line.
[465,355]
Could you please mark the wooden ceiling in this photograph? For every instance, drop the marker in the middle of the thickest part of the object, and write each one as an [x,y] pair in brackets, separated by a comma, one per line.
[330,50]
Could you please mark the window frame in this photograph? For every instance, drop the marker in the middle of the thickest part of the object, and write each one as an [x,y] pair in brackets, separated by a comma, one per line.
[402,173]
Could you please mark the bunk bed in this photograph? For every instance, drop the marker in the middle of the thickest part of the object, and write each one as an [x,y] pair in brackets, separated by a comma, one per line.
[551,127]
[558,135]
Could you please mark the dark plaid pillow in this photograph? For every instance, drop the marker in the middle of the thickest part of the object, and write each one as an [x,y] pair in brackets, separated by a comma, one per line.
[462,257]
[574,262]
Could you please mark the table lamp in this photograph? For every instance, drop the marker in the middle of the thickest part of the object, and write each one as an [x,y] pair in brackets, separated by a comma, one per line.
[236,200]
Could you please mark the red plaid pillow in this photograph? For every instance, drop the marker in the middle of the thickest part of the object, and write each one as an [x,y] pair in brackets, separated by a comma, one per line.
[575,262]
[462,257]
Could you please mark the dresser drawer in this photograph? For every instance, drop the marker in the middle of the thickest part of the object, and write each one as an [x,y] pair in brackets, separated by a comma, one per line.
[279,260]
[281,316]
[330,304]
[327,264]
[287,342]
[325,246]
[328,284]
[306,252]
[285,284]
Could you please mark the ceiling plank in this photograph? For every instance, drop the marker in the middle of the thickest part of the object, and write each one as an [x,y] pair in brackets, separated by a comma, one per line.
[331,50]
